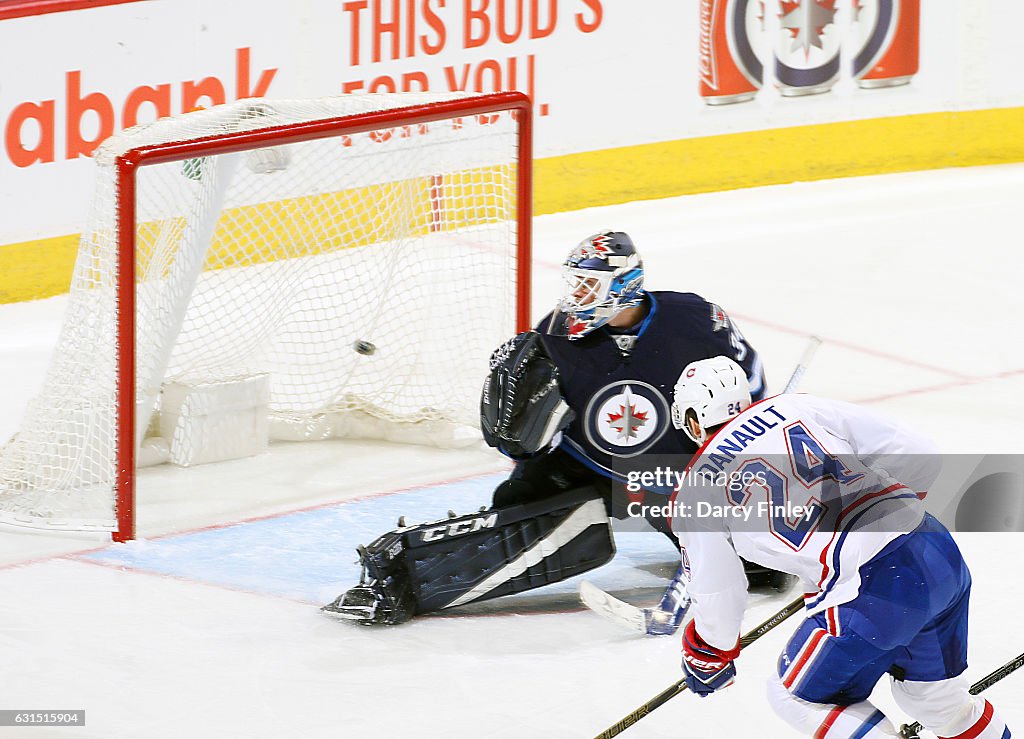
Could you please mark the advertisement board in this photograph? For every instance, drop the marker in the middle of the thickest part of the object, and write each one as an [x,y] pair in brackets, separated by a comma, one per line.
[628,91]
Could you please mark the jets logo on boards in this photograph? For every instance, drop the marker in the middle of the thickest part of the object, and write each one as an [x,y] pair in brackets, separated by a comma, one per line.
[875,23]
[626,418]
[807,47]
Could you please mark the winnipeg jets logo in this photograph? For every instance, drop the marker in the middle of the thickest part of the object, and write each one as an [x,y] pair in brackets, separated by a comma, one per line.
[626,418]
[807,49]
[875,23]
[628,421]
[805,21]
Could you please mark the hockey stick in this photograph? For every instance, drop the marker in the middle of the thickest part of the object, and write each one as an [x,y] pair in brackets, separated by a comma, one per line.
[666,695]
[802,365]
[912,730]
[655,621]
[642,619]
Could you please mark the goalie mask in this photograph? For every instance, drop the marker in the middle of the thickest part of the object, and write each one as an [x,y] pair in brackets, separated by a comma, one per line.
[710,391]
[603,275]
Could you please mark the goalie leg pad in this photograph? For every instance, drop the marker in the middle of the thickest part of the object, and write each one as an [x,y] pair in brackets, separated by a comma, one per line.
[480,556]
[528,546]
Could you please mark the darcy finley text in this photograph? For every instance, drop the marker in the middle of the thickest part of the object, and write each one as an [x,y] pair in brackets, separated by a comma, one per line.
[703,509]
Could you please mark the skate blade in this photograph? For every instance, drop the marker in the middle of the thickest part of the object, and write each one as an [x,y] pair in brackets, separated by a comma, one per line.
[348,613]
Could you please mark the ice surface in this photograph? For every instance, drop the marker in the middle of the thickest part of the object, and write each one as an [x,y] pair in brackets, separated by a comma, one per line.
[208,626]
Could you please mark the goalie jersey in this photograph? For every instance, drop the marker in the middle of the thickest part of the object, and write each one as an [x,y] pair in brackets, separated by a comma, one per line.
[801,484]
[620,384]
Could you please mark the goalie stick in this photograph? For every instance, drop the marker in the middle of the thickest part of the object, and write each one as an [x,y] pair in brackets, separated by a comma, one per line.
[911,731]
[671,692]
[659,621]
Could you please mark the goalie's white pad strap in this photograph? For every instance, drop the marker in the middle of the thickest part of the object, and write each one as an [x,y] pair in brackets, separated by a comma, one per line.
[555,423]
[590,513]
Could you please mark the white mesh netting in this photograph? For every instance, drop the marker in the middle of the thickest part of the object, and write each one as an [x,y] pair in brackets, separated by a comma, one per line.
[280,261]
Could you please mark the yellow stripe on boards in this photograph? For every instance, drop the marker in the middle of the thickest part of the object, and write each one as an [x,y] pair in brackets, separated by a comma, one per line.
[42,268]
[267,232]
[325,223]
[32,270]
[779,156]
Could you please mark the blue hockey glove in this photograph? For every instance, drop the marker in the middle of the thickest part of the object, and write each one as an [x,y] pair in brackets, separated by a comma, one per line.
[707,668]
[665,619]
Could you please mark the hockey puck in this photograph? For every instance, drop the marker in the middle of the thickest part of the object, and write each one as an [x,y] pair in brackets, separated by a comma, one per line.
[364,347]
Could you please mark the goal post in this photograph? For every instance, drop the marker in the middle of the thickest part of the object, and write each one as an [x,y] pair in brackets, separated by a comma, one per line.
[278,270]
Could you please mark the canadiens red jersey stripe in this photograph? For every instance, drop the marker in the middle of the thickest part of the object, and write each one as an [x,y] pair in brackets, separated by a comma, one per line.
[823,559]
[832,619]
[804,657]
[827,724]
[833,577]
[869,496]
[979,726]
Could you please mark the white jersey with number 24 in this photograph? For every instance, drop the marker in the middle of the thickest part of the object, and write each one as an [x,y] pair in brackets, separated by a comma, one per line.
[799,484]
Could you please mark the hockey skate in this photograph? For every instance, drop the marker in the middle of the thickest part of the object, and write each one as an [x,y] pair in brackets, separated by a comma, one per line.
[369,604]
[383,595]
[361,603]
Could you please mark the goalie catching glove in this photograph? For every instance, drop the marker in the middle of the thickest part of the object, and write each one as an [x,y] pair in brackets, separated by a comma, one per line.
[521,407]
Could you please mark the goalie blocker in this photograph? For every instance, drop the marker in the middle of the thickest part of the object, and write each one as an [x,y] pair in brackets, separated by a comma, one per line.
[476,557]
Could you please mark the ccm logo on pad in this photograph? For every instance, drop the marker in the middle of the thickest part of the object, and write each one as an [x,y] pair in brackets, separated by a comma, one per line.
[458,528]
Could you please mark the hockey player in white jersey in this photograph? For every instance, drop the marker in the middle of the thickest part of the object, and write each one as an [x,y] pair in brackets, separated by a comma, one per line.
[831,493]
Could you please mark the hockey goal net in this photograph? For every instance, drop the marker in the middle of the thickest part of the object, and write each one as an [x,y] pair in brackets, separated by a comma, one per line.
[278,269]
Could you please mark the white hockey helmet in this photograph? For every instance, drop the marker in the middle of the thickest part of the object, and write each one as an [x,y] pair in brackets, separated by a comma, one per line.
[713,390]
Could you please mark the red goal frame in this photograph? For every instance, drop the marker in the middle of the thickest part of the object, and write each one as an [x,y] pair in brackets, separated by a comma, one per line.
[127,166]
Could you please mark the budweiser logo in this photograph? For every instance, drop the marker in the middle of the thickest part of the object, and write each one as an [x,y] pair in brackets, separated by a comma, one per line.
[708,11]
